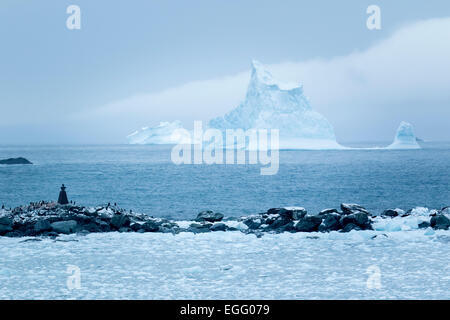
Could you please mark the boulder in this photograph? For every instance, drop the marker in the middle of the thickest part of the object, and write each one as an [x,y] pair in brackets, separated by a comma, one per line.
[330,223]
[274,210]
[392,213]
[5,225]
[199,227]
[289,213]
[308,224]
[94,227]
[219,227]
[253,223]
[349,208]
[64,226]
[299,213]
[150,226]
[445,210]
[209,216]
[349,227]
[42,226]
[6,221]
[440,222]
[280,221]
[15,161]
[287,227]
[135,226]
[327,212]
[360,219]
[119,220]
[424,225]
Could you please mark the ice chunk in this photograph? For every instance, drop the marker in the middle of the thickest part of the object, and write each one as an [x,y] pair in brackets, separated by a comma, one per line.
[405,138]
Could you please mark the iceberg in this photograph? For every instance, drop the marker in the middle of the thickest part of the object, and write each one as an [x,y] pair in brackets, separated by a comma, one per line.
[164,133]
[272,105]
[405,138]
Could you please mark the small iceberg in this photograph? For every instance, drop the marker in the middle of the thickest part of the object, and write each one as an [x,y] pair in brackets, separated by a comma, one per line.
[164,133]
[405,138]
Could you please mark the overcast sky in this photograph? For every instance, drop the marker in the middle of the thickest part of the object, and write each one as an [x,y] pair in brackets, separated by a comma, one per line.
[136,63]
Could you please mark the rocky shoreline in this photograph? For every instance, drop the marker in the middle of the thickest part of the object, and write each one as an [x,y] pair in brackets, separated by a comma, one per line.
[50,219]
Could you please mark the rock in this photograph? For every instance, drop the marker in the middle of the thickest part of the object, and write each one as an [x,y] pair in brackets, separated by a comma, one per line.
[360,219]
[330,223]
[349,227]
[119,221]
[219,227]
[93,227]
[280,221]
[424,225]
[5,225]
[299,213]
[445,210]
[6,221]
[209,216]
[327,212]
[64,226]
[274,210]
[392,213]
[253,223]
[51,234]
[42,226]
[150,226]
[287,227]
[136,226]
[14,234]
[349,208]
[124,229]
[199,227]
[308,224]
[15,161]
[102,225]
[440,222]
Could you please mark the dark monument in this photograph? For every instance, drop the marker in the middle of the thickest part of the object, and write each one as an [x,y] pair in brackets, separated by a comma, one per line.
[62,199]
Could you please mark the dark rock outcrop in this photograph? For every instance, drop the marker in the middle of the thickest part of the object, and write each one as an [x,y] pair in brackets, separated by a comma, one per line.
[15,161]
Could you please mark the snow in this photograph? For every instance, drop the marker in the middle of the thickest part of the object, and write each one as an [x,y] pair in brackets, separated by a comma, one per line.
[229,265]
[271,105]
[405,138]
[164,133]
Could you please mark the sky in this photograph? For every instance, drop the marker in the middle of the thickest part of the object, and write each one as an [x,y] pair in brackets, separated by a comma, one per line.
[136,63]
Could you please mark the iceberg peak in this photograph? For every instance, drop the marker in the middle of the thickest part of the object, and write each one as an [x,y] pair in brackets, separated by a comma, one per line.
[260,74]
[269,105]
[261,78]
[405,137]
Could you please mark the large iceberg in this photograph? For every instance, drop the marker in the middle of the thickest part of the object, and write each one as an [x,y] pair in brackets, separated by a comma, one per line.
[272,105]
[405,138]
[164,133]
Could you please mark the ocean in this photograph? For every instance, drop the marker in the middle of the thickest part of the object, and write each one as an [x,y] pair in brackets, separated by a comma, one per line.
[144,179]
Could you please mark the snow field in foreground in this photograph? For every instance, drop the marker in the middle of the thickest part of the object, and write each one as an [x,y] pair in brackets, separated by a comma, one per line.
[229,265]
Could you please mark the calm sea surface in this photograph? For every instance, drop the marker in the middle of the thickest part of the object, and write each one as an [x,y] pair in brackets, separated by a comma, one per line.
[144,179]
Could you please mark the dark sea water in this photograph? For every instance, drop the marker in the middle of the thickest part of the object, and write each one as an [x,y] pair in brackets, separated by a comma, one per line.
[144,179]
